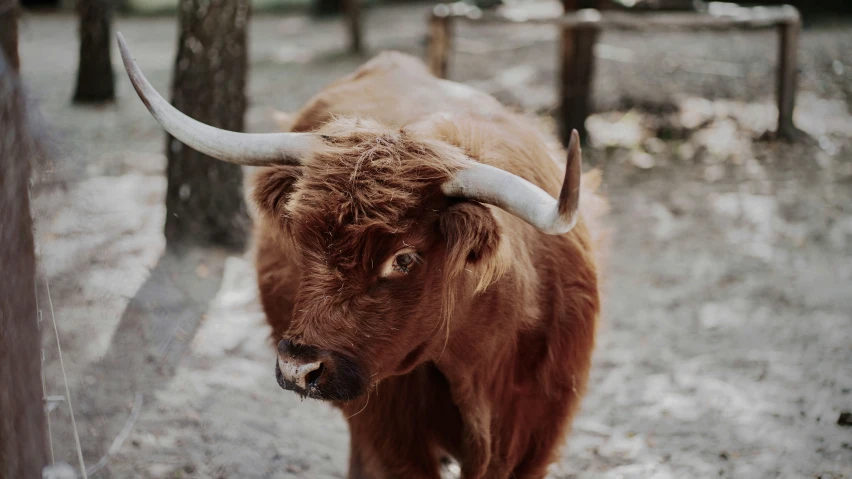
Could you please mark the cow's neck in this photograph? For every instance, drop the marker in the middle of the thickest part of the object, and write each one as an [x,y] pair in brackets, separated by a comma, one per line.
[501,336]
[488,328]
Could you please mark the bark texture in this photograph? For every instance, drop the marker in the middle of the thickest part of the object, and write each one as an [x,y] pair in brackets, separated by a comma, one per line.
[23,446]
[95,80]
[204,200]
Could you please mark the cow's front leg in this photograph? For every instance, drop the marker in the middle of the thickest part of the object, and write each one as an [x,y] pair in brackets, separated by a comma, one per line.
[480,461]
[357,463]
[388,442]
[476,446]
[388,458]
[476,454]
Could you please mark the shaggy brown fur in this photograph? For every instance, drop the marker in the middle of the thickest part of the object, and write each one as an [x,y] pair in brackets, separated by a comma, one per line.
[482,351]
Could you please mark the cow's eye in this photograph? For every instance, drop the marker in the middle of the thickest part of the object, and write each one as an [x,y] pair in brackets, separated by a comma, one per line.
[401,263]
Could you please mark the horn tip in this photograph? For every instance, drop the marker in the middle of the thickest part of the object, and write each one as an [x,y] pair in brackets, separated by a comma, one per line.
[122,48]
[574,142]
[574,150]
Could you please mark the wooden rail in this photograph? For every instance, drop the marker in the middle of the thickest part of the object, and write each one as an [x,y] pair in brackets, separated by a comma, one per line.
[718,17]
[550,13]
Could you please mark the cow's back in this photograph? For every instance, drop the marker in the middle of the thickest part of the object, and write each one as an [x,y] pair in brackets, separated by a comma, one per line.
[394,89]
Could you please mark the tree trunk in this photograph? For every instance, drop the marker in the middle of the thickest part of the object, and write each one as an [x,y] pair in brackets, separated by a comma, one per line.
[204,200]
[9,32]
[23,445]
[326,8]
[95,81]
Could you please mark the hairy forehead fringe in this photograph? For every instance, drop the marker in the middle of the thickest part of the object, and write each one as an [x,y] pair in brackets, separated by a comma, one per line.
[364,182]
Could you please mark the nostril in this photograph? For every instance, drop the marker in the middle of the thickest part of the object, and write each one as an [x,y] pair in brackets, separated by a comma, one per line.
[312,377]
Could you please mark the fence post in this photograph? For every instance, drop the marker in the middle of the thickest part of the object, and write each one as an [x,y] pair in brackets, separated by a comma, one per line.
[439,40]
[788,48]
[577,63]
[352,10]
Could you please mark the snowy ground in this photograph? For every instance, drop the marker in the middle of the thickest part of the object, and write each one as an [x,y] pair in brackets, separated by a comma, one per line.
[726,344]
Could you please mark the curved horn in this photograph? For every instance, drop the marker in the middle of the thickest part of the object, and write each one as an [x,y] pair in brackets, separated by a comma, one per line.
[249,149]
[487,184]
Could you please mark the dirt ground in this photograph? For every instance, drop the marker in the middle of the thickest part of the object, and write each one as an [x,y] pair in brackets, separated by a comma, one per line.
[725,348]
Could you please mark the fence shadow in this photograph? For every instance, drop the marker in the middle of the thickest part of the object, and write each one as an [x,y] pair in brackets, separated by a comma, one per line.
[153,333]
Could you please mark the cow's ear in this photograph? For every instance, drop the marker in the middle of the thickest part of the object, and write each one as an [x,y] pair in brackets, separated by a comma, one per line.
[272,188]
[471,232]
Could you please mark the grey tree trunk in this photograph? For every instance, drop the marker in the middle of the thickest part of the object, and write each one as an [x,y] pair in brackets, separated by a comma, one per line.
[95,80]
[23,444]
[204,200]
[9,32]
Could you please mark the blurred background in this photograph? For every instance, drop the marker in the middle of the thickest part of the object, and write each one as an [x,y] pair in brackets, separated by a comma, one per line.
[725,348]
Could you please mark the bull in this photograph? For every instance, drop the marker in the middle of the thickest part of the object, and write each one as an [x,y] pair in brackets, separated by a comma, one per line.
[422,267]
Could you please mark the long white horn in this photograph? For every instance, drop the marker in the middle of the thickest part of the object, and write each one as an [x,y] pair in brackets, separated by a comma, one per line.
[487,184]
[251,149]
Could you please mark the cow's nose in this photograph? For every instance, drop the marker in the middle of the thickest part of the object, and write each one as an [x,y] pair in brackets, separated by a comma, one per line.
[302,375]
[299,365]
